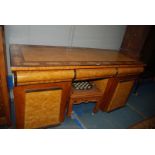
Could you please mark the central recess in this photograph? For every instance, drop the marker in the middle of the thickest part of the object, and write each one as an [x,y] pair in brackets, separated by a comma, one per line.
[84,92]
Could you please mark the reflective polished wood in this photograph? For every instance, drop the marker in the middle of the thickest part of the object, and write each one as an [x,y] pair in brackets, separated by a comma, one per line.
[38,67]
[4,92]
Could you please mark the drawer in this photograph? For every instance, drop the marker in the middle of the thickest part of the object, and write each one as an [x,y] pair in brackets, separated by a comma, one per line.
[130,70]
[94,73]
[28,77]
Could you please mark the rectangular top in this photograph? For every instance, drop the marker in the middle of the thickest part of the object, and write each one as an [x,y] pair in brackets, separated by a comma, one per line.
[34,57]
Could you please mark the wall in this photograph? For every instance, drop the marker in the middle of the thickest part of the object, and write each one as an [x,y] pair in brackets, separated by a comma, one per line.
[94,36]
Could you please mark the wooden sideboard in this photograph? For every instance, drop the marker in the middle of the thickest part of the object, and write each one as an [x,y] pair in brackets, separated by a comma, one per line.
[43,78]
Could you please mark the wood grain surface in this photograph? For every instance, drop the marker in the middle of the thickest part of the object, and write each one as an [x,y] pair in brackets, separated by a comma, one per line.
[130,70]
[33,64]
[4,101]
[42,108]
[2,113]
[94,73]
[101,84]
[117,92]
[44,76]
[79,96]
[120,95]
[34,56]
[41,105]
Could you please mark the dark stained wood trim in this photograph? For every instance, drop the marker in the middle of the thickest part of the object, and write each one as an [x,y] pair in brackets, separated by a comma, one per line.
[109,91]
[3,121]
[64,103]
[134,39]
[3,74]
[19,99]
[127,78]
[15,78]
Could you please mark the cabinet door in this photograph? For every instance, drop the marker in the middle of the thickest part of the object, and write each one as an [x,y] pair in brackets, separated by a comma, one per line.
[117,93]
[40,105]
[121,94]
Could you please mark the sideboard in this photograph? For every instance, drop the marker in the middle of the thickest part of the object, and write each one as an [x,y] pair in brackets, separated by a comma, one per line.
[43,77]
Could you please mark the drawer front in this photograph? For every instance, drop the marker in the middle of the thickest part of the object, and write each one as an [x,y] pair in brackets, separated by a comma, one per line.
[130,70]
[28,77]
[94,73]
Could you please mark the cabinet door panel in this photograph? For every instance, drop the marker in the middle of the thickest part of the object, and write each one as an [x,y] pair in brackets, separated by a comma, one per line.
[117,92]
[121,94]
[41,105]
[42,108]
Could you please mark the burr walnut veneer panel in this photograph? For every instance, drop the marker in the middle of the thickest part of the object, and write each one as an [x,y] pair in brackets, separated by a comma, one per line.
[117,92]
[43,76]
[94,73]
[120,95]
[42,108]
[41,105]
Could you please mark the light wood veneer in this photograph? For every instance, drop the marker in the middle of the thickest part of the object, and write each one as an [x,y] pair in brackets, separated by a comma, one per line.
[41,67]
